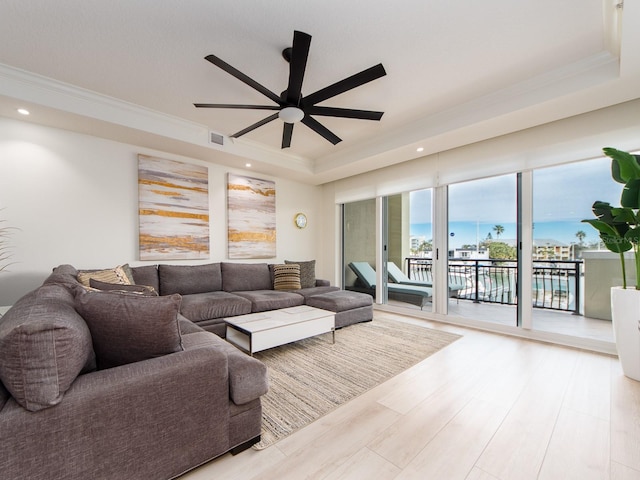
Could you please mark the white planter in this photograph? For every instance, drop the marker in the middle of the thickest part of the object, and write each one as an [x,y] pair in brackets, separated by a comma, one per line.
[625,312]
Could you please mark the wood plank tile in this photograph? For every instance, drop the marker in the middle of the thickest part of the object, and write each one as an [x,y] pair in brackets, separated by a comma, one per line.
[453,452]
[625,419]
[229,467]
[622,472]
[589,390]
[477,474]
[402,441]
[331,450]
[442,367]
[578,450]
[365,465]
[423,423]
[527,429]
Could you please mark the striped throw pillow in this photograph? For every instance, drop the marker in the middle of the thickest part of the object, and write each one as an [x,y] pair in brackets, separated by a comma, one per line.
[111,275]
[286,277]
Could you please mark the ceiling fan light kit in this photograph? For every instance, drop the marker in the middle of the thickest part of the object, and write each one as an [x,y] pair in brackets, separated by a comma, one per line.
[291,114]
[291,106]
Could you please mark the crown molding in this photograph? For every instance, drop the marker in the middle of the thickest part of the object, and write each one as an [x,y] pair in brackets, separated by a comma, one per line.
[67,98]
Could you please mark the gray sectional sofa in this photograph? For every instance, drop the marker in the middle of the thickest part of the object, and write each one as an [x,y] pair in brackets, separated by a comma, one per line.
[214,291]
[129,384]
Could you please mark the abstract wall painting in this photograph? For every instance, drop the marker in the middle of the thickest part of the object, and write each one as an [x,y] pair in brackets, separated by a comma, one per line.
[251,205]
[173,209]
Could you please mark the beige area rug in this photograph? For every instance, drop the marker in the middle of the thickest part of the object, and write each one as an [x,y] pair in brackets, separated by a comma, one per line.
[309,378]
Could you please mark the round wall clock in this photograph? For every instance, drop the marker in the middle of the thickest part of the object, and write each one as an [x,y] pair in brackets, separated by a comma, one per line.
[301,220]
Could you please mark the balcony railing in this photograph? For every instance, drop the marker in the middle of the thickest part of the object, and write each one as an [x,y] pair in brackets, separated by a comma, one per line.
[556,283]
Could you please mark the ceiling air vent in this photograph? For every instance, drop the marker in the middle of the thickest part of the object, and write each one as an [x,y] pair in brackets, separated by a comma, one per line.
[216,138]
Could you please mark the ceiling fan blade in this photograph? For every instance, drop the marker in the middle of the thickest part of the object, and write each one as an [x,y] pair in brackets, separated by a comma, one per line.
[297,66]
[287,132]
[243,107]
[320,129]
[264,121]
[243,78]
[342,86]
[344,113]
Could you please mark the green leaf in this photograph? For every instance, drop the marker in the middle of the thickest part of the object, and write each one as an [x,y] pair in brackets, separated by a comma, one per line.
[616,244]
[624,166]
[631,194]
[633,235]
[602,227]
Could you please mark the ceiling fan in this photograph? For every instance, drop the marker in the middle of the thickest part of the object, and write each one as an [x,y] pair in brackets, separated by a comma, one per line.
[292,106]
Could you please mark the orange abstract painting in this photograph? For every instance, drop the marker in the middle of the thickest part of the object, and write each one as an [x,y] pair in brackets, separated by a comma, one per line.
[173,209]
[251,206]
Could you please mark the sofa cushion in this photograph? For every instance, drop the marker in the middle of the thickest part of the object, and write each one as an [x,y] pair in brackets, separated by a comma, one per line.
[145,290]
[310,292]
[204,306]
[286,277]
[248,378]
[44,345]
[187,326]
[307,272]
[263,300]
[130,328]
[146,275]
[238,277]
[188,279]
[340,301]
[110,275]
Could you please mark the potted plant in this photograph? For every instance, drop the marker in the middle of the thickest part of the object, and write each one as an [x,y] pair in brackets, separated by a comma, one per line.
[619,229]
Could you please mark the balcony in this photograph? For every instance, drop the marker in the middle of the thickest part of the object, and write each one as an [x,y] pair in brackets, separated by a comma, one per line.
[490,294]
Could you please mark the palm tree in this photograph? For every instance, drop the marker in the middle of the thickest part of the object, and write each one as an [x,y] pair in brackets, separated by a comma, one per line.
[580,234]
[499,229]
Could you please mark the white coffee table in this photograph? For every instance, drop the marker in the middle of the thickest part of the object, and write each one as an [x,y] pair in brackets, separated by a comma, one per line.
[259,331]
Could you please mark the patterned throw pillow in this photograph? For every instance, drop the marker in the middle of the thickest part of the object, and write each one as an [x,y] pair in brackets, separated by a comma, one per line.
[111,275]
[307,272]
[286,277]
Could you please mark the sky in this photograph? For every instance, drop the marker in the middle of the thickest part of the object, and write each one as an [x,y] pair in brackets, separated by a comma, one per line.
[562,196]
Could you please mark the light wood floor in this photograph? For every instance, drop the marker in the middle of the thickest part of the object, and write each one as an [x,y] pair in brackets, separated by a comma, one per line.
[486,407]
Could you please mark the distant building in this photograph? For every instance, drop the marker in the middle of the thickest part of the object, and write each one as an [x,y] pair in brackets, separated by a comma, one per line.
[469,253]
[416,241]
[550,249]
[545,248]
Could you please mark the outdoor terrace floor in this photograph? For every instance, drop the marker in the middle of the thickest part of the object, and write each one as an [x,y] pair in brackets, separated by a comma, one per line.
[554,321]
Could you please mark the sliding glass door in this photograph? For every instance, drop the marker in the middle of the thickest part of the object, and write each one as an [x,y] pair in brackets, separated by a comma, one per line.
[483,249]
[509,250]
[572,272]
[359,246]
[409,250]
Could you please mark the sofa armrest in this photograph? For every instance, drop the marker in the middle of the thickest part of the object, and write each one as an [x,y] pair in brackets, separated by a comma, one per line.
[129,418]
[322,283]
[248,378]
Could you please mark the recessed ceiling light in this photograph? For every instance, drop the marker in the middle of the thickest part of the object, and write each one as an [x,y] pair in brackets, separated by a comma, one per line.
[23,111]
[247,165]
[419,149]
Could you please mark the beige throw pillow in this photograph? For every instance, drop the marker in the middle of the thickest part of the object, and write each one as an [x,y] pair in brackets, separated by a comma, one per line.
[111,275]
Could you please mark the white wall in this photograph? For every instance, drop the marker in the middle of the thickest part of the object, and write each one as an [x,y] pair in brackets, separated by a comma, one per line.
[74,198]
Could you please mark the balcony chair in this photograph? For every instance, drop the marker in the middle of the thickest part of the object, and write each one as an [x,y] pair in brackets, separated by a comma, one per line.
[398,276]
[417,295]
